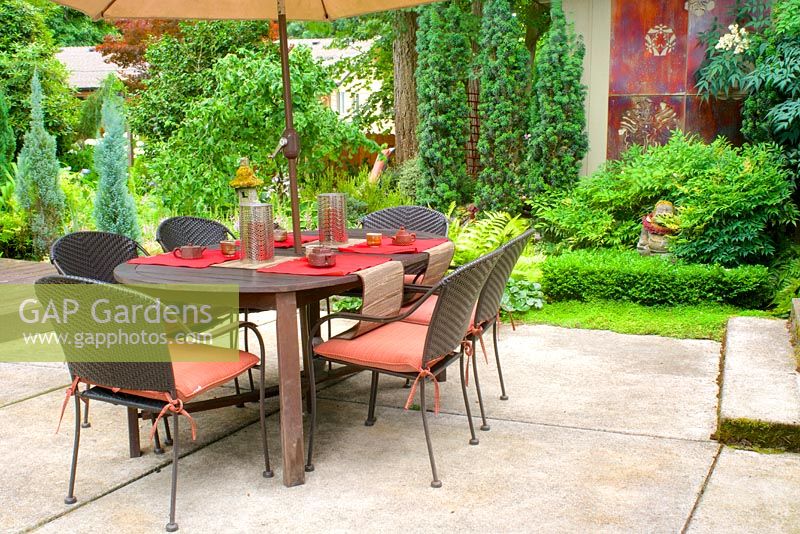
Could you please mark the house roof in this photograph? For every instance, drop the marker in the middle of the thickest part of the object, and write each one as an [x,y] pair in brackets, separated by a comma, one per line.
[87,68]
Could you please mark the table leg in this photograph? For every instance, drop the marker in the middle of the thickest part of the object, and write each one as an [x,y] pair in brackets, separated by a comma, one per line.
[133,433]
[291,403]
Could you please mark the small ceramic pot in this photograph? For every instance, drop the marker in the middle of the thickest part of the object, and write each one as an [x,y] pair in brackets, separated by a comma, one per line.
[280,234]
[321,257]
[374,239]
[228,248]
[404,237]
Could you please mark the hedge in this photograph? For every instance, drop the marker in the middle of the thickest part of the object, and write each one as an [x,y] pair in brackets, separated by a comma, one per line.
[627,276]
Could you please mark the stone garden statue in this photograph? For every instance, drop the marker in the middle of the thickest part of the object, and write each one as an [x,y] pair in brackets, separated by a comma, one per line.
[653,239]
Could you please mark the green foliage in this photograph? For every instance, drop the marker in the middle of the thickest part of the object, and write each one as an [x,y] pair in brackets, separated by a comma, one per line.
[38,188]
[346,304]
[114,209]
[752,433]
[243,115]
[79,199]
[71,27]
[91,109]
[558,139]
[698,321]
[442,69]
[504,84]
[8,143]
[627,276]
[26,45]
[409,177]
[15,235]
[732,203]
[181,72]
[521,296]
[475,238]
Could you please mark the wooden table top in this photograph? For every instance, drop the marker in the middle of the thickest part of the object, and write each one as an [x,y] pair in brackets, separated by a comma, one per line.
[251,281]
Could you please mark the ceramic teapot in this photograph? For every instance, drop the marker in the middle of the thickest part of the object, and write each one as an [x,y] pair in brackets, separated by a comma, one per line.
[189,252]
[403,237]
[321,257]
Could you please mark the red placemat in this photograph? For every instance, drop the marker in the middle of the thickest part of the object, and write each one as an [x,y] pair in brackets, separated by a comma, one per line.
[210,257]
[289,243]
[345,264]
[386,247]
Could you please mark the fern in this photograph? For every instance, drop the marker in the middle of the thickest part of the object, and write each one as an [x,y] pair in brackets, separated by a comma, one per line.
[475,238]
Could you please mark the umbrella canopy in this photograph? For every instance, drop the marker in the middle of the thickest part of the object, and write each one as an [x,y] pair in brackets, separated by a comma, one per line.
[249,10]
[233,9]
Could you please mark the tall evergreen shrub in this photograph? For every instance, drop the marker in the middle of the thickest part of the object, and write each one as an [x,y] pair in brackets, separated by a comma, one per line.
[37,185]
[443,63]
[8,144]
[114,209]
[558,140]
[505,72]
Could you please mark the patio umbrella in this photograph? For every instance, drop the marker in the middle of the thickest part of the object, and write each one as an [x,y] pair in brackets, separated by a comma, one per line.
[248,10]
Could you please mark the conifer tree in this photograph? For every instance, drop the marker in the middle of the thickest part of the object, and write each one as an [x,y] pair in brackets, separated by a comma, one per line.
[37,183]
[558,140]
[114,208]
[505,73]
[443,61]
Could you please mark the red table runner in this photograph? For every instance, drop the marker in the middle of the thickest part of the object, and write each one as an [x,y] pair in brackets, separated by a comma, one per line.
[386,247]
[210,257]
[345,264]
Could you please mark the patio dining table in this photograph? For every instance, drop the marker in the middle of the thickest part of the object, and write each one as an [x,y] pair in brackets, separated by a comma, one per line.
[285,294]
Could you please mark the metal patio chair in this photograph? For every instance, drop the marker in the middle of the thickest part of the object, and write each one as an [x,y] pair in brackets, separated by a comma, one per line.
[95,255]
[154,384]
[486,311]
[413,218]
[407,350]
[179,231]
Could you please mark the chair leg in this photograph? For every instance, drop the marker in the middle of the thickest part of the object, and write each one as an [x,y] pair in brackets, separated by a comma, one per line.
[157,448]
[435,483]
[484,425]
[373,397]
[312,396]
[86,423]
[407,384]
[70,498]
[473,440]
[167,433]
[503,395]
[263,417]
[238,390]
[172,526]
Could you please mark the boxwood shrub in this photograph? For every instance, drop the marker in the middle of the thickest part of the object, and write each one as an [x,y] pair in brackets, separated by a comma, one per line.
[627,276]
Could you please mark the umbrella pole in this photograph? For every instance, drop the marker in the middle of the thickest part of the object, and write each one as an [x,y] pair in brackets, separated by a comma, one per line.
[292,145]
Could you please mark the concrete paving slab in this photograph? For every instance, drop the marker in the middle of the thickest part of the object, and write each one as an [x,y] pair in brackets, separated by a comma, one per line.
[521,478]
[36,460]
[583,378]
[760,381]
[750,492]
[21,381]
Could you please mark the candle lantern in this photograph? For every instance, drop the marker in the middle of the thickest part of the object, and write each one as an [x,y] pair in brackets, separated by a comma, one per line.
[332,213]
[255,218]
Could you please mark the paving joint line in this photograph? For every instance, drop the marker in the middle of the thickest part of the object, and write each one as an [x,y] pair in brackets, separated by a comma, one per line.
[703,487]
[29,397]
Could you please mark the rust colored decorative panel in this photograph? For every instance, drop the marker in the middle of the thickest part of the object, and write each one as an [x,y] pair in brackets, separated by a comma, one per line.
[713,118]
[642,120]
[648,47]
[701,17]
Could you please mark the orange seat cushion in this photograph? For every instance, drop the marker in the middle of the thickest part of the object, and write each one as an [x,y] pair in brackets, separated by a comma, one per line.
[423,314]
[193,378]
[394,347]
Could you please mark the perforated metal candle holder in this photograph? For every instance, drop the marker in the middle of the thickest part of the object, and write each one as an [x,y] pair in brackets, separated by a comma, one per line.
[255,226]
[332,213]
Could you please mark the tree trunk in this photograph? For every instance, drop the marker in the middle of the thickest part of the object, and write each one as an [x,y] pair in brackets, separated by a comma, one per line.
[404,55]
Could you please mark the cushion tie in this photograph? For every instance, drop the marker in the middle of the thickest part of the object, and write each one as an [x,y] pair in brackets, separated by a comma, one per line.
[478,331]
[175,406]
[70,392]
[422,374]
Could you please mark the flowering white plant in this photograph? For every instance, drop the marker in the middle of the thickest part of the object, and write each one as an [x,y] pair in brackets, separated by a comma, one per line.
[737,40]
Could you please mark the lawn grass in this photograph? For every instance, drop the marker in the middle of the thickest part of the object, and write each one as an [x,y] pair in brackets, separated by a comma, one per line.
[703,321]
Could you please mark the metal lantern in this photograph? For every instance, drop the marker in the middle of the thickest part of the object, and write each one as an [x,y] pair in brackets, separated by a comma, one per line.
[332,213]
[255,226]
